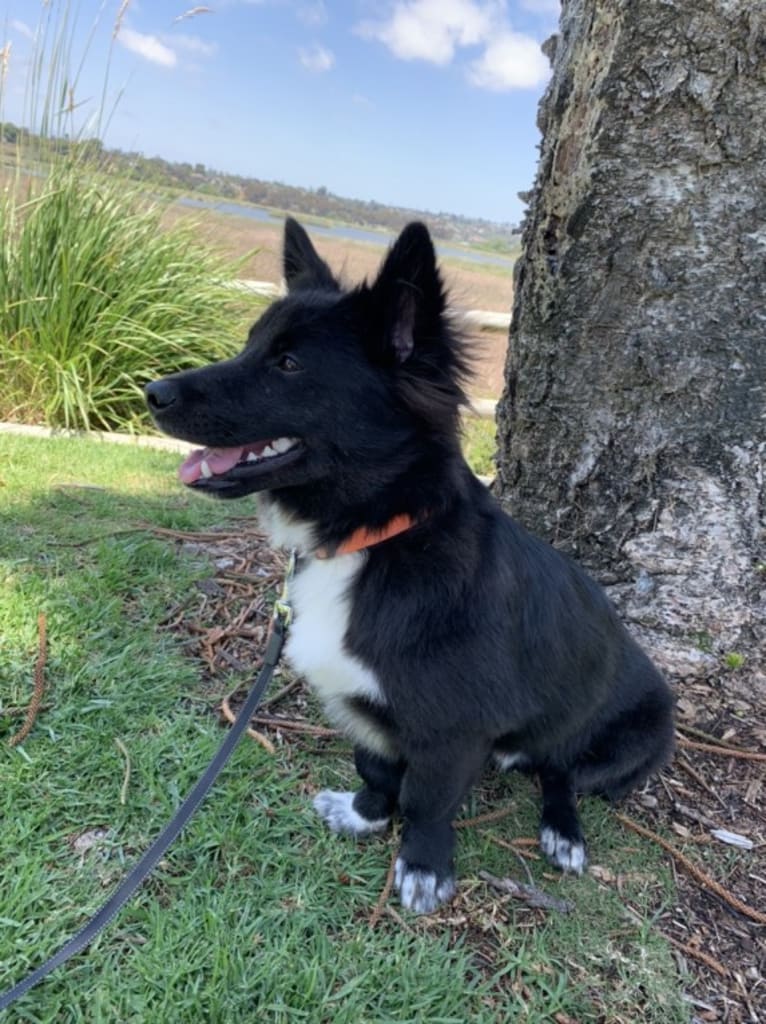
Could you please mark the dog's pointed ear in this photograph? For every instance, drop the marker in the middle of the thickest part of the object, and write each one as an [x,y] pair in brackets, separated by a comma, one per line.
[408,295]
[303,266]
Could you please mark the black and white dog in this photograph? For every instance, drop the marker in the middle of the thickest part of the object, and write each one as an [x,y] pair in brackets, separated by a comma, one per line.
[437,632]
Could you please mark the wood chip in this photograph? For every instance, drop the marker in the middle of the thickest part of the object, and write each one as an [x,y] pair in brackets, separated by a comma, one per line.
[529,894]
[732,838]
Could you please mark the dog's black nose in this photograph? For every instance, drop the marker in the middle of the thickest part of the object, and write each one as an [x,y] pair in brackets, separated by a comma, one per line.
[161,394]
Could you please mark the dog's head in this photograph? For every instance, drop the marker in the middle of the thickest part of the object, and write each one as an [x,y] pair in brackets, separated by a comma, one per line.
[329,382]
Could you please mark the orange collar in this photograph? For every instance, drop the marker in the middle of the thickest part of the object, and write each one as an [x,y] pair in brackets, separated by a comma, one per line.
[364,538]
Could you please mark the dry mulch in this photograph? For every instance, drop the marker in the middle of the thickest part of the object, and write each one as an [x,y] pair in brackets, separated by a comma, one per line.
[699,793]
[720,951]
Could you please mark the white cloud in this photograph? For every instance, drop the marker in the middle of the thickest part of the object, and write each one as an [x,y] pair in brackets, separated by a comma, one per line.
[435,30]
[22,28]
[193,44]
[510,61]
[431,30]
[313,14]
[316,58]
[148,47]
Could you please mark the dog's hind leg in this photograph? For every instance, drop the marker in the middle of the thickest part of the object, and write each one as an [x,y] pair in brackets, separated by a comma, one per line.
[561,837]
[370,808]
[432,790]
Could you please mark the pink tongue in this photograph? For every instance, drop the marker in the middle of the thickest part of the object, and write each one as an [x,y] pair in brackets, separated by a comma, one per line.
[219,460]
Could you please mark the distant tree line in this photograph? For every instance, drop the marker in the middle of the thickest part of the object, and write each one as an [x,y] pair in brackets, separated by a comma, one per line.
[319,202]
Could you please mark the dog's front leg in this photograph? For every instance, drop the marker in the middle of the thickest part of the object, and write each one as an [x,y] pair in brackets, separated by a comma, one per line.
[370,808]
[561,836]
[433,788]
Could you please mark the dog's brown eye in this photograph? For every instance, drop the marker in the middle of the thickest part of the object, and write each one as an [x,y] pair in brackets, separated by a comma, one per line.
[289,364]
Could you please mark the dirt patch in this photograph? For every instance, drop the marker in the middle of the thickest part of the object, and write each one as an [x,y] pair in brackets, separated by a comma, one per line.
[720,951]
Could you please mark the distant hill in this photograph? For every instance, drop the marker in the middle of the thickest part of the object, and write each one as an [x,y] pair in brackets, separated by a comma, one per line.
[159,173]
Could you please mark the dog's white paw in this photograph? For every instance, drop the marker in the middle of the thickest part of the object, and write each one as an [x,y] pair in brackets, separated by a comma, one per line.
[420,890]
[565,854]
[337,811]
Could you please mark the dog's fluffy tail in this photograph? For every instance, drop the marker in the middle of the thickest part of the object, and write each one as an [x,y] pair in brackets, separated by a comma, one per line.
[629,750]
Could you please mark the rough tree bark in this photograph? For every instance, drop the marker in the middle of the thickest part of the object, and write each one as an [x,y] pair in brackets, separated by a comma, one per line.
[632,431]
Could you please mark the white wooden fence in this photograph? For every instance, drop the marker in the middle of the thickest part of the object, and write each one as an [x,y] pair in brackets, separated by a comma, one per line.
[481,318]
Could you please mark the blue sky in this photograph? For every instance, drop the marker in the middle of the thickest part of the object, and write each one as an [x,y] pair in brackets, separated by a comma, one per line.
[428,104]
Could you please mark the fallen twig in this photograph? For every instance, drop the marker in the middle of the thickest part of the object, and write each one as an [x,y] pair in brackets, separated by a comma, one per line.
[201,538]
[295,725]
[386,891]
[721,749]
[161,531]
[17,712]
[520,858]
[698,778]
[97,537]
[281,694]
[126,776]
[231,718]
[706,737]
[484,819]
[247,577]
[699,955]
[37,695]
[697,874]
[530,894]
[518,846]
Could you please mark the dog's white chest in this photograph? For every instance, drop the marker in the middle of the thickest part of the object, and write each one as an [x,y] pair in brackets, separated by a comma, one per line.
[316,649]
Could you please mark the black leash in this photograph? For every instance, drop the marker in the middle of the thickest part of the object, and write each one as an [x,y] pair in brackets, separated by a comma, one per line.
[280,620]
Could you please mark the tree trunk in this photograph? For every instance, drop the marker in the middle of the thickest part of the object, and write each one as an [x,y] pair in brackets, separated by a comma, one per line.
[632,430]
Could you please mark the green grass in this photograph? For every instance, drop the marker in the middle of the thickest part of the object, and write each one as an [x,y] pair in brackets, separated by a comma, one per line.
[492,269]
[500,246]
[257,913]
[479,444]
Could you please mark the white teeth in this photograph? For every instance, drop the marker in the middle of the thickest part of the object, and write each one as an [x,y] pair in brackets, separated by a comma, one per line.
[205,470]
[278,446]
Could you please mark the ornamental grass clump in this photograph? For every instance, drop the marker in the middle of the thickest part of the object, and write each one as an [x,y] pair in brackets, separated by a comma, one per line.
[97,297]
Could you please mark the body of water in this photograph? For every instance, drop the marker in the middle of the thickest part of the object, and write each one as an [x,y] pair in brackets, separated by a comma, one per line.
[351,234]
